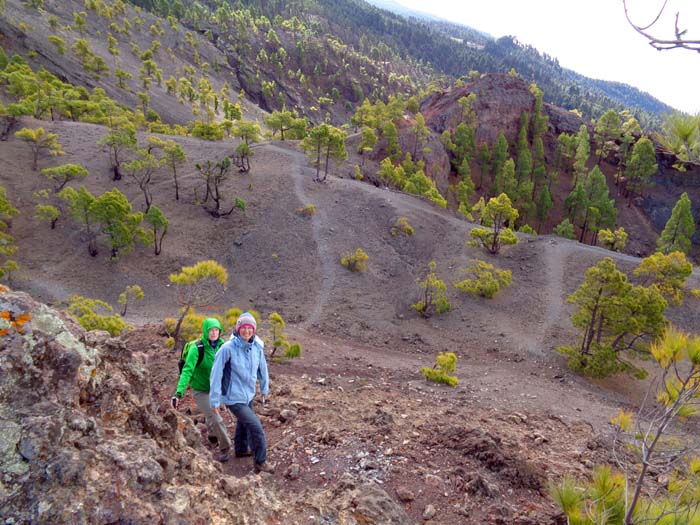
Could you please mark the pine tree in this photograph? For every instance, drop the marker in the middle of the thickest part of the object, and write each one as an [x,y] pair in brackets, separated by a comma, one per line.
[62,175]
[420,133]
[679,228]
[484,163]
[500,155]
[613,317]
[523,165]
[606,133]
[7,242]
[159,224]
[119,223]
[641,167]
[174,156]
[498,215]
[81,208]
[325,141]
[40,141]
[583,151]
[367,143]
[197,285]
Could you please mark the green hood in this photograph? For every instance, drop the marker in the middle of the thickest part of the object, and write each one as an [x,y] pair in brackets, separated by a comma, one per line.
[209,323]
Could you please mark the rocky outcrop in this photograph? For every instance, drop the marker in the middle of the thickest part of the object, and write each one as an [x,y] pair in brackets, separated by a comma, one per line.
[84,440]
[500,100]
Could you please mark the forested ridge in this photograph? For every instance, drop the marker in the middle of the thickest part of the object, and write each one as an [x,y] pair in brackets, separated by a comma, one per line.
[429,51]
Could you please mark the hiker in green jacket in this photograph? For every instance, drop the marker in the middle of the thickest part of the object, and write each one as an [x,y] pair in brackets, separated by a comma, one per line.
[195,373]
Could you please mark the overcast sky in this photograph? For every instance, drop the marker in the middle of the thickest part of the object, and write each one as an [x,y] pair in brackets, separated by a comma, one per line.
[592,37]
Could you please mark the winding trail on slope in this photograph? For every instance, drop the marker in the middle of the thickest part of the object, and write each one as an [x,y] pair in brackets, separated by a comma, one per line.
[328,269]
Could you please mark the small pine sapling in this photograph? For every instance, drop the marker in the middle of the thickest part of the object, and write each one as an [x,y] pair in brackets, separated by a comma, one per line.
[445,364]
[279,338]
[433,294]
[355,262]
[131,293]
[401,226]
[613,240]
[47,213]
[484,279]
[94,314]
[307,211]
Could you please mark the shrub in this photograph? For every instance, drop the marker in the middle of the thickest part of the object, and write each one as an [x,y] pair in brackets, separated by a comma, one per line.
[613,240]
[355,262]
[401,226]
[207,131]
[358,173]
[484,279]
[445,364]
[433,294]
[526,228]
[565,229]
[93,314]
[307,211]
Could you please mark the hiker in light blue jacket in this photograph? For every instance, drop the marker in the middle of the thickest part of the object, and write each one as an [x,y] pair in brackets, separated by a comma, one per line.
[239,364]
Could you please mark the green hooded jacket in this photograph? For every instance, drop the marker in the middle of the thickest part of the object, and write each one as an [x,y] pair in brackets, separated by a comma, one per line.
[198,376]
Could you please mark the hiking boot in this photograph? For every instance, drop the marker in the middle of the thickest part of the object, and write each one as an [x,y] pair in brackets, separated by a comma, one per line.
[264,467]
[245,454]
[223,456]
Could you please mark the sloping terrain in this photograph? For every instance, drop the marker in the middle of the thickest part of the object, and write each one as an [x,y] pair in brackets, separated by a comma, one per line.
[354,406]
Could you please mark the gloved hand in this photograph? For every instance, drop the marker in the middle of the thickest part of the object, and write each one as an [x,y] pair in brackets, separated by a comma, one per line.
[174,401]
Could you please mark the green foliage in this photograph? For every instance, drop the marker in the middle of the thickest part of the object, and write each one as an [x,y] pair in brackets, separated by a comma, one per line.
[445,364]
[307,211]
[496,214]
[679,229]
[284,121]
[401,226]
[191,326]
[130,294]
[614,318]
[81,209]
[121,137]
[420,184]
[483,279]
[641,166]
[173,156]
[7,242]
[40,142]
[58,43]
[324,142]
[433,298]
[112,210]
[589,204]
[355,262]
[159,226]
[667,273]
[565,229]
[526,228]
[645,442]
[47,213]
[681,135]
[601,500]
[197,285]
[207,130]
[94,314]
[613,240]
[62,175]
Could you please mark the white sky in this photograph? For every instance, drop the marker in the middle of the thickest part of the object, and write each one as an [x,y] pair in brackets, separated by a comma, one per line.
[592,37]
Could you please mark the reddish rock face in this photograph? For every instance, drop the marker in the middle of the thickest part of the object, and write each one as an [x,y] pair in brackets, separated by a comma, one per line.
[500,100]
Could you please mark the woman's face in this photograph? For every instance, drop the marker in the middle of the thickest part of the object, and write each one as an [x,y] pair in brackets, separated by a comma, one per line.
[246,332]
[214,333]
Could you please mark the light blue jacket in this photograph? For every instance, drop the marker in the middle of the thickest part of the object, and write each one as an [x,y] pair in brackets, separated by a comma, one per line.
[237,367]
